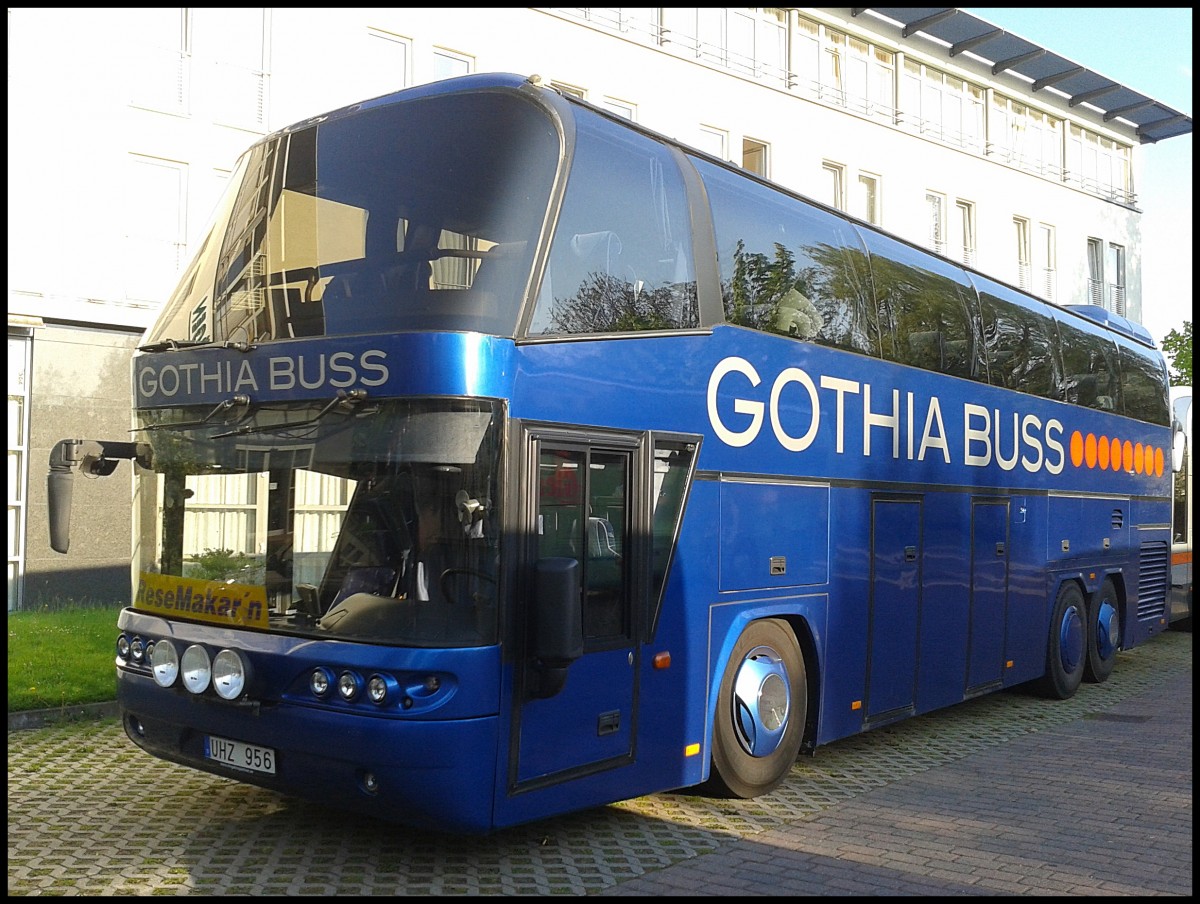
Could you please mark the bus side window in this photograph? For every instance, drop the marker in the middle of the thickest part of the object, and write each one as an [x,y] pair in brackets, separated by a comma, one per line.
[789,267]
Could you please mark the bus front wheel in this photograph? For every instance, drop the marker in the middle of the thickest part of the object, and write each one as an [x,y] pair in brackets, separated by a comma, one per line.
[1067,645]
[761,711]
[1104,633]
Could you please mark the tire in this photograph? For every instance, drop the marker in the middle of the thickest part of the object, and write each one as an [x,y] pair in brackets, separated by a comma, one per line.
[1066,647]
[754,746]
[1104,633]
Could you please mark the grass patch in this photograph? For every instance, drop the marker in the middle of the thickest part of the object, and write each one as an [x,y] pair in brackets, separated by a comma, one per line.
[61,657]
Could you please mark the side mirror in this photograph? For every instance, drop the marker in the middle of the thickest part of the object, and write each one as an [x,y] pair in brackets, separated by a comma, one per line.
[557,623]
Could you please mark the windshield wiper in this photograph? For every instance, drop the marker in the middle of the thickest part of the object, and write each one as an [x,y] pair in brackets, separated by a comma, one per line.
[175,345]
[346,400]
[239,400]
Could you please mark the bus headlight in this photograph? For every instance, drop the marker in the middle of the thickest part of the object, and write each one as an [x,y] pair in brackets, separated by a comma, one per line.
[379,689]
[123,646]
[164,663]
[137,650]
[228,675]
[349,686]
[320,681]
[197,671]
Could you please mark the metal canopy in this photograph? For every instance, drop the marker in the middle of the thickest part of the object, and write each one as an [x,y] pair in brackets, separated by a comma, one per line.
[1006,52]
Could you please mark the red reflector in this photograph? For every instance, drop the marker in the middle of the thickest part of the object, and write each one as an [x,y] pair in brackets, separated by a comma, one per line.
[662,660]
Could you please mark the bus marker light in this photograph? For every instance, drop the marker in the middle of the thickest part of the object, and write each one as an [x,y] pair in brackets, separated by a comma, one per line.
[691,750]
[662,660]
[856,704]
[1009,664]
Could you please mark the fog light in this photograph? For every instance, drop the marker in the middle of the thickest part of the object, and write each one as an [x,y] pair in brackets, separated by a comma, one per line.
[164,663]
[197,671]
[228,675]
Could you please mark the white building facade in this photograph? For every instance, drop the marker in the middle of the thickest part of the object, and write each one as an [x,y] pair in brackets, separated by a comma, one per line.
[124,124]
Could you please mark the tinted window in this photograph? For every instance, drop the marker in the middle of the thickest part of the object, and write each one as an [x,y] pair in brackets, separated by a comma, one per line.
[1021,341]
[925,309]
[1089,355]
[1144,386]
[787,266]
[621,257]
[419,214]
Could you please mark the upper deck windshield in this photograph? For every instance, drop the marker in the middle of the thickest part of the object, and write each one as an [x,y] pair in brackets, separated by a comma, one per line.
[371,521]
[418,214]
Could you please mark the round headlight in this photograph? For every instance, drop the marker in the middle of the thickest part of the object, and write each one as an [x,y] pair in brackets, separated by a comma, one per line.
[164,663]
[228,675]
[196,669]
[320,681]
[137,649]
[122,646]
[377,689]
[349,686]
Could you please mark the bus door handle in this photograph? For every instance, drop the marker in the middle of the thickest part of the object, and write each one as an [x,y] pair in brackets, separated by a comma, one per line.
[999,549]
[910,554]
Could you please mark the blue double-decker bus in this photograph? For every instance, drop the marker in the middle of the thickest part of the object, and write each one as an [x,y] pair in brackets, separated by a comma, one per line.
[497,458]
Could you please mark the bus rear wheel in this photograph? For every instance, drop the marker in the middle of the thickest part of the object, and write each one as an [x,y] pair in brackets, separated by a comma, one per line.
[1104,633]
[761,711]
[1066,649]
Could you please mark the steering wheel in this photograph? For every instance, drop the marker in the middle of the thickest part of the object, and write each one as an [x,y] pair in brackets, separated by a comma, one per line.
[450,573]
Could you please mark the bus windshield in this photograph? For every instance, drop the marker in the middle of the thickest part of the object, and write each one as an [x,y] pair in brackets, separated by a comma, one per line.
[400,215]
[363,521]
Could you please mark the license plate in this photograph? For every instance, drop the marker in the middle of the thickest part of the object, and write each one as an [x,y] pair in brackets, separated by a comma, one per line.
[237,755]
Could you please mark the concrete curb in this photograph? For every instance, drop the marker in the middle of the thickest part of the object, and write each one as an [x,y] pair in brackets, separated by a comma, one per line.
[40,718]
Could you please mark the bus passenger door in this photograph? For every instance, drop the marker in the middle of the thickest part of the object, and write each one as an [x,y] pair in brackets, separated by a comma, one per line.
[581,513]
[989,594]
[895,607]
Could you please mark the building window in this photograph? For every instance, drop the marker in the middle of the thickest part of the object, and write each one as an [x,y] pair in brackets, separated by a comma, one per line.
[1095,260]
[156,229]
[447,64]
[965,231]
[18,462]
[384,67]
[569,90]
[1116,270]
[941,106]
[160,66]
[936,205]
[233,44]
[866,198]
[751,41]
[715,141]
[1044,263]
[621,108]
[834,184]
[754,156]
[1025,137]
[1021,235]
[1098,165]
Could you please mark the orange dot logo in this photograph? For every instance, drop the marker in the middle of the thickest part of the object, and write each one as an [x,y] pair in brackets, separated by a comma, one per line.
[1158,462]
[1138,453]
[1127,455]
[1116,454]
[1102,453]
[1076,448]
[1089,450]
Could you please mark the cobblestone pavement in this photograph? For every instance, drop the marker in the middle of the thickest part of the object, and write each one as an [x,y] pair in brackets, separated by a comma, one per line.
[1003,795]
